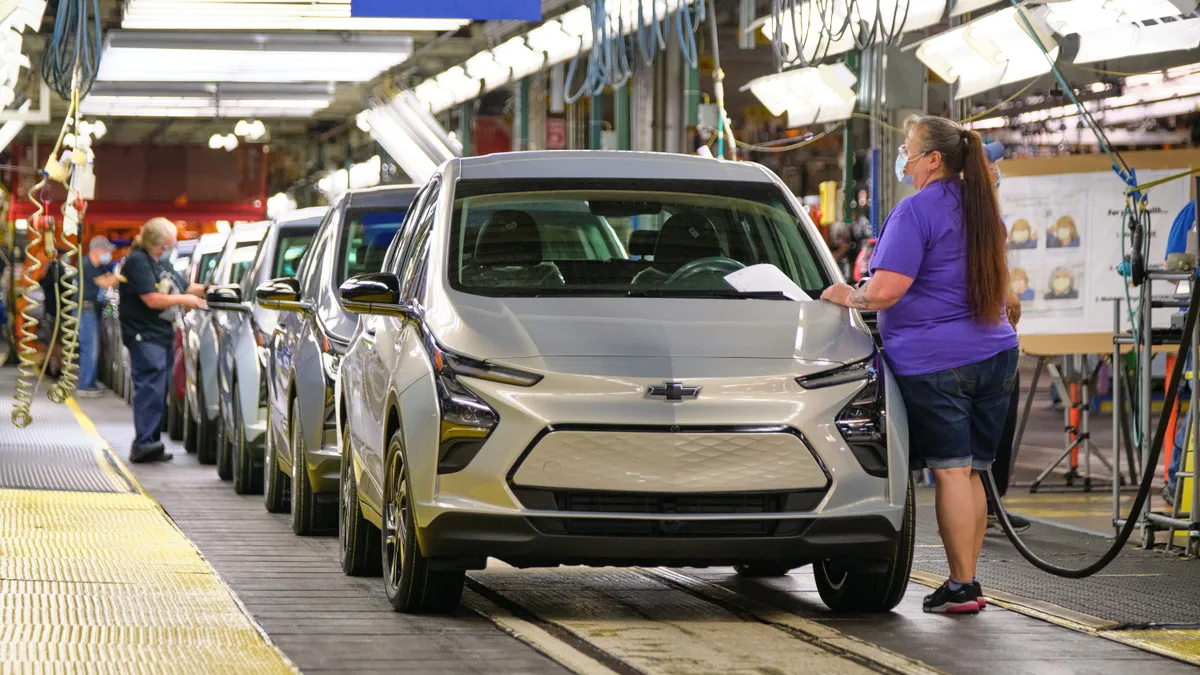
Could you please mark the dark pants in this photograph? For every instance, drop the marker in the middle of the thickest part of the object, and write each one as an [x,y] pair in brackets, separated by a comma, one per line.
[1006,454]
[150,366]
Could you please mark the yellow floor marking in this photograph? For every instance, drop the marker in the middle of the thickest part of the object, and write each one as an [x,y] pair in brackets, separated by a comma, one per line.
[105,582]
[120,479]
[1182,645]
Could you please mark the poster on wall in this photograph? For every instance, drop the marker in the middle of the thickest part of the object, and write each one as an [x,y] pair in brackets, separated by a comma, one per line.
[1065,243]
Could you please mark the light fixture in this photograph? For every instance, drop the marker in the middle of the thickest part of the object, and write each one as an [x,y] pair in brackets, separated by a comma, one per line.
[251,131]
[365,174]
[22,14]
[831,27]
[1080,16]
[279,204]
[484,68]
[99,128]
[962,7]
[363,123]
[458,85]
[557,44]
[171,99]
[808,95]
[1135,39]
[137,56]
[989,52]
[312,15]
[216,141]
[519,58]
[231,143]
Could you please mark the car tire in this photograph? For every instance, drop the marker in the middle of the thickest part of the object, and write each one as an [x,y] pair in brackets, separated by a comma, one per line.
[762,570]
[224,452]
[307,515]
[174,419]
[191,431]
[247,478]
[410,584]
[871,592]
[206,438]
[275,482]
[358,539]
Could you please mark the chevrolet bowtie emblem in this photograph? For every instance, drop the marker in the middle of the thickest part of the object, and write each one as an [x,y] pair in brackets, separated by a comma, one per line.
[672,391]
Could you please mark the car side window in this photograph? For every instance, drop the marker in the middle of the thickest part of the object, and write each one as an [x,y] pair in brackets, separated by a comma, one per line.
[309,274]
[417,255]
[403,241]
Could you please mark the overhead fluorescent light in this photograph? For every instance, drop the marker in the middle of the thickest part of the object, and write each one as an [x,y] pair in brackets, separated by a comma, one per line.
[215,57]
[313,15]
[519,58]
[459,86]
[1135,39]
[173,99]
[1082,16]
[808,95]
[962,7]
[989,52]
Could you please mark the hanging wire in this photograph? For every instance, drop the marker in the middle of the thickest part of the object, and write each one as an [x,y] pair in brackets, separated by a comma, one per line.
[75,43]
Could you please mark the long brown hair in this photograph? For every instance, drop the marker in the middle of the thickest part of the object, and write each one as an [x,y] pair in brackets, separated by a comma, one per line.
[963,155]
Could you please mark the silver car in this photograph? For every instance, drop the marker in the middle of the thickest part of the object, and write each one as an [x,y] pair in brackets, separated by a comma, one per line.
[670,399]
[197,430]
[244,331]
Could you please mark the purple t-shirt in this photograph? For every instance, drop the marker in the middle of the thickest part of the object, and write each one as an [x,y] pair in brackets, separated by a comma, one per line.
[931,328]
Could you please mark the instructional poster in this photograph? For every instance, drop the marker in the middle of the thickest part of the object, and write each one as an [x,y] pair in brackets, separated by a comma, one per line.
[1065,243]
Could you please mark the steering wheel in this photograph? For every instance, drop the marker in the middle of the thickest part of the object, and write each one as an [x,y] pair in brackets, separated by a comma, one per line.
[714,265]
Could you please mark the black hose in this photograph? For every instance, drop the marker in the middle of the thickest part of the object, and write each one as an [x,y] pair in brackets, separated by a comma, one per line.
[1149,470]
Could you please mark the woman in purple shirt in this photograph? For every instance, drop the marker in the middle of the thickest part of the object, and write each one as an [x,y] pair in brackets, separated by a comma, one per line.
[939,279]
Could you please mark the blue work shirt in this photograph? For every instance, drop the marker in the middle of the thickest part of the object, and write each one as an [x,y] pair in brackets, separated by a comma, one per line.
[1184,222]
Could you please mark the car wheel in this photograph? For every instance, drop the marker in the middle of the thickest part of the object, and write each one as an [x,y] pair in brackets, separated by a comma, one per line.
[275,482]
[191,431]
[875,591]
[306,513]
[247,479]
[174,419]
[762,570]
[358,538]
[206,438]
[224,458]
[411,586]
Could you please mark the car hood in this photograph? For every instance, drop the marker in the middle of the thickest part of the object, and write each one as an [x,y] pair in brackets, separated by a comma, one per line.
[514,328]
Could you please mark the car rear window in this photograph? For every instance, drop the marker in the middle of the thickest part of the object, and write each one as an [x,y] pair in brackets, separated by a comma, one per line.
[207,262]
[240,258]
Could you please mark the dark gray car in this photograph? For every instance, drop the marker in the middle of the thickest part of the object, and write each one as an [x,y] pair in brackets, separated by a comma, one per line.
[304,353]
[243,330]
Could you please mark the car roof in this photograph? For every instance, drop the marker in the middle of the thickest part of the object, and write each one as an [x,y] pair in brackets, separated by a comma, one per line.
[384,196]
[605,164]
[211,242]
[185,247]
[250,231]
[305,217]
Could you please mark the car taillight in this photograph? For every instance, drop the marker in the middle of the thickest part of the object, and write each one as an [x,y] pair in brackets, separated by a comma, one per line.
[467,420]
[863,422]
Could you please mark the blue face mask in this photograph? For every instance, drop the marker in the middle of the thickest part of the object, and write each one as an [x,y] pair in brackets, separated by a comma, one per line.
[105,258]
[901,165]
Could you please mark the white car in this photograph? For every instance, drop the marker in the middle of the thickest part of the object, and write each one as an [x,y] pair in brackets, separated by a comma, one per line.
[552,400]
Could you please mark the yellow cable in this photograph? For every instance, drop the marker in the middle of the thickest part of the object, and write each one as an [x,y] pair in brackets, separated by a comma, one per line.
[872,118]
[1001,104]
[1161,181]
[1115,73]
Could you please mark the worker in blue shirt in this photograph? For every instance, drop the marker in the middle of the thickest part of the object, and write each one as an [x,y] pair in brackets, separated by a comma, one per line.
[1177,243]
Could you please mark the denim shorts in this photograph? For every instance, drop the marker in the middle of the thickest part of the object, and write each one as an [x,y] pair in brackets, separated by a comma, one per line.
[956,416]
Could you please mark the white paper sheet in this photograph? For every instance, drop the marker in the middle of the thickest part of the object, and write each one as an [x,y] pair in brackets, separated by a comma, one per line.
[765,278]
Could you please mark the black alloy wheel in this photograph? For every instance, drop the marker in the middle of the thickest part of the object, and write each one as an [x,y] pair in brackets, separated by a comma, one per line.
[275,481]
[358,539]
[247,478]
[191,431]
[224,452]
[308,517]
[206,442]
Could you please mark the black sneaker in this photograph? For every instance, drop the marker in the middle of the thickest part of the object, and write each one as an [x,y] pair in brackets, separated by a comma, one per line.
[945,601]
[979,595]
[1168,494]
[1019,523]
[150,452]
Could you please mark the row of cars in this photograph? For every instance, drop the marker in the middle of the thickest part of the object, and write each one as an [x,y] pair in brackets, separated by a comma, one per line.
[555,358]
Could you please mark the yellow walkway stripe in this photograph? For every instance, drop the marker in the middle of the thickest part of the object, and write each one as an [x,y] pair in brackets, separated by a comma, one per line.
[116,473]
[103,582]
[1180,644]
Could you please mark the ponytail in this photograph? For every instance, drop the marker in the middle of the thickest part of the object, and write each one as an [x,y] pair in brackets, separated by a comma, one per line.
[962,153]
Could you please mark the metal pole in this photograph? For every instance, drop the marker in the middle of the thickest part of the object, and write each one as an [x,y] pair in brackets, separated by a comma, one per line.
[465,126]
[596,121]
[848,201]
[1118,414]
[621,116]
[522,135]
[1194,418]
[1144,393]
[727,143]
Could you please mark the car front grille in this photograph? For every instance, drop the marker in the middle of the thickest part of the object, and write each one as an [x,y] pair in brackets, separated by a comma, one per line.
[596,501]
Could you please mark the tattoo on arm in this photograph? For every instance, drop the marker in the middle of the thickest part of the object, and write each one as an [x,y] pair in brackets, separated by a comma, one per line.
[858,299]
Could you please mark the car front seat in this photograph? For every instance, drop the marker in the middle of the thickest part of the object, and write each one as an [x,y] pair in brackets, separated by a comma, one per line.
[683,238]
[508,253]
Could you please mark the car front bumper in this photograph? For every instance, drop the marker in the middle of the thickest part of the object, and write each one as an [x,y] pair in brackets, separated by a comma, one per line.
[465,540]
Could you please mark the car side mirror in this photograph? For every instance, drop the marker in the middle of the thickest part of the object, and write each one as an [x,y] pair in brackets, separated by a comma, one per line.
[227,297]
[281,294]
[375,293]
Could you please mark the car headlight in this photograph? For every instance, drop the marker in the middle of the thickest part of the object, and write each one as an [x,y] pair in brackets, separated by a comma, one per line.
[467,420]
[863,422]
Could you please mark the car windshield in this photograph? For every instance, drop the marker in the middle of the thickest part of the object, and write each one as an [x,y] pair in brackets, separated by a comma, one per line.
[292,245]
[626,242]
[365,241]
[240,258]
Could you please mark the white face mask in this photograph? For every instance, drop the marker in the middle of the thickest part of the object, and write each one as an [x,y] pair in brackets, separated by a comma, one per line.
[1020,236]
[1064,234]
[1062,285]
[902,162]
[1017,286]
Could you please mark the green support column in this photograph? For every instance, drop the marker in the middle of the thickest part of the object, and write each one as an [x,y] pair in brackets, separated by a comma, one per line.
[465,123]
[621,116]
[595,122]
[852,62]
[523,114]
